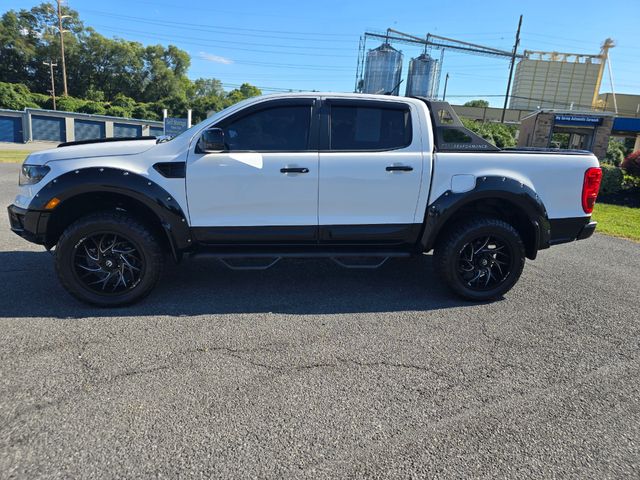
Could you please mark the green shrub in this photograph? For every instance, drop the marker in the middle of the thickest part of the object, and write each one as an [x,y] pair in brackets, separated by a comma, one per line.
[144,111]
[615,152]
[631,181]
[68,104]
[121,100]
[96,108]
[116,111]
[611,179]
[15,96]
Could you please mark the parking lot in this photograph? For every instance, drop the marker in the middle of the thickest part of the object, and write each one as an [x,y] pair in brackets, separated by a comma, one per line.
[308,370]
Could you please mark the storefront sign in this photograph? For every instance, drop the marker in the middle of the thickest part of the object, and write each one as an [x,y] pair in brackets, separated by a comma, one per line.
[578,120]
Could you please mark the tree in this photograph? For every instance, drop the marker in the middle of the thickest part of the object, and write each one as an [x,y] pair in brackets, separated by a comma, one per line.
[245,91]
[477,103]
[499,134]
[205,87]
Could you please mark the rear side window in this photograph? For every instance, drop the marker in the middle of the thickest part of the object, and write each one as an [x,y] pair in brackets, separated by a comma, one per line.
[276,129]
[369,128]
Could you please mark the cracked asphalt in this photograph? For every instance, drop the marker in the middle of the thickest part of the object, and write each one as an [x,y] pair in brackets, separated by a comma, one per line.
[308,370]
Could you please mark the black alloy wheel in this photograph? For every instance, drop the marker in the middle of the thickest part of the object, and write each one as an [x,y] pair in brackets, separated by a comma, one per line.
[480,258]
[484,263]
[109,259]
[108,263]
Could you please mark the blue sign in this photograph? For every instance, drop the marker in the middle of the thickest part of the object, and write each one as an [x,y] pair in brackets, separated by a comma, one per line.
[578,120]
[175,126]
[622,124]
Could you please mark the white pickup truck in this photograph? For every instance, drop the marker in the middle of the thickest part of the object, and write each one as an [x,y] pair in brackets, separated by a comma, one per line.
[342,176]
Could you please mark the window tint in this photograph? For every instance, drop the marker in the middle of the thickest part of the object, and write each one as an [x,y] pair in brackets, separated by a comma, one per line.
[369,128]
[454,135]
[273,129]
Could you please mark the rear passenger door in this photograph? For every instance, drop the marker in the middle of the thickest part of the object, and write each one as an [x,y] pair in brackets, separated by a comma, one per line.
[370,172]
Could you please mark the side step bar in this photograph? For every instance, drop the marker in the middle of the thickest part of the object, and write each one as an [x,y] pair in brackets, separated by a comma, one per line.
[263,261]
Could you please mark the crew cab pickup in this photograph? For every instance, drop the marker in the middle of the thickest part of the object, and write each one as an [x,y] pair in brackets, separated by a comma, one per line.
[342,176]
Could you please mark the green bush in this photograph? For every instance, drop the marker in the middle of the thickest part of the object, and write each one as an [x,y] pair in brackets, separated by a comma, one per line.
[123,101]
[145,112]
[499,134]
[15,96]
[612,178]
[116,111]
[631,181]
[96,108]
[69,104]
[615,152]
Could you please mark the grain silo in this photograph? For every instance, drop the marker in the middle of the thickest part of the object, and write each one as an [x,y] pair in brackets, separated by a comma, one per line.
[382,70]
[423,77]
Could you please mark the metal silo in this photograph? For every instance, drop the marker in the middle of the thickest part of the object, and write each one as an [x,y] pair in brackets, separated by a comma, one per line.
[424,77]
[382,70]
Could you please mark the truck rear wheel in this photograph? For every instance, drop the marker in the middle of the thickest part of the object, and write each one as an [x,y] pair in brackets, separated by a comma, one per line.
[480,259]
[108,259]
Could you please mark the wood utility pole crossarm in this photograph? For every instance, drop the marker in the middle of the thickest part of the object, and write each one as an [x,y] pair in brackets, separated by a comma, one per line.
[61,31]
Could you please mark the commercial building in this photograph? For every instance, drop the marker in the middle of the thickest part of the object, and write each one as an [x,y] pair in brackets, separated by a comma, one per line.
[626,104]
[32,124]
[558,80]
[567,129]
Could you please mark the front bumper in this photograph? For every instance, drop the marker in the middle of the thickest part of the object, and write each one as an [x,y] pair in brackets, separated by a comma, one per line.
[29,224]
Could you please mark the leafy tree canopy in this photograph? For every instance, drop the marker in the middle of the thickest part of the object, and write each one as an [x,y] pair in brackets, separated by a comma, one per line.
[117,76]
[477,103]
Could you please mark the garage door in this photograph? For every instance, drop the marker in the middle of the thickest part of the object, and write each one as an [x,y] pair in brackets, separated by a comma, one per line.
[88,130]
[126,130]
[156,131]
[10,129]
[48,128]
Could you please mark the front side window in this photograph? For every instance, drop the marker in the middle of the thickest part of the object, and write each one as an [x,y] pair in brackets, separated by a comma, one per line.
[276,129]
[369,128]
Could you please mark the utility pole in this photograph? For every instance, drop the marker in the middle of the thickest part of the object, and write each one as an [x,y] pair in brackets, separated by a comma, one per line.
[513,63]
[446,80]
[61,30]
[50,64]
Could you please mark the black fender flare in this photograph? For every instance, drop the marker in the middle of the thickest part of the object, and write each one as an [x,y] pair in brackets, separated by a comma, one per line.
[114,180]
[489,187]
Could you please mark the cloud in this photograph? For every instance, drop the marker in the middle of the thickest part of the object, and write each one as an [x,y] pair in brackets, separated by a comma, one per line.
[215,58]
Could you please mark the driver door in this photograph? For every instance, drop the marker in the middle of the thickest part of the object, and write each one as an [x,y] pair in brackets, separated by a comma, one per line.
[263,187]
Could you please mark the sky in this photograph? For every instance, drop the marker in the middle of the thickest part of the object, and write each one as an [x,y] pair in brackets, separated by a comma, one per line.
[313,45]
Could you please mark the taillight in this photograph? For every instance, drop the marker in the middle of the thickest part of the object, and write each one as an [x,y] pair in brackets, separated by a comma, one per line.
[590,188]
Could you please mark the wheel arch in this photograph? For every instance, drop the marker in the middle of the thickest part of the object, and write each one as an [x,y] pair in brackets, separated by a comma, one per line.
[83,191]
[502,197]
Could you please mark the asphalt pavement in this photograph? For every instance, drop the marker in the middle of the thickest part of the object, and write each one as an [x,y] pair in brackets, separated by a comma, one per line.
[308,370]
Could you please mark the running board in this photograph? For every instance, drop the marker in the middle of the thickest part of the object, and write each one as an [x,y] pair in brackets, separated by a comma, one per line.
[263,261]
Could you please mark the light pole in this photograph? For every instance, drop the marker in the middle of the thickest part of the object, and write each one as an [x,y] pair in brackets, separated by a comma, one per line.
[50,64]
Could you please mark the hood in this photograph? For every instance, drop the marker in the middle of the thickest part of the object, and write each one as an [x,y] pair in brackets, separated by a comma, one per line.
[91,150]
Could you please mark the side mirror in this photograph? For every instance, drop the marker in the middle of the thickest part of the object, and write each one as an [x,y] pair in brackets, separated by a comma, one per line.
[211,141]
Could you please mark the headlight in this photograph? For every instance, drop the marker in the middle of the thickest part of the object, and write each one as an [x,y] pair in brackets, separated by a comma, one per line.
[31,174]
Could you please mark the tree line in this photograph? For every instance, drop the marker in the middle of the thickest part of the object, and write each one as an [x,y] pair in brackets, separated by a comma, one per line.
[110,76]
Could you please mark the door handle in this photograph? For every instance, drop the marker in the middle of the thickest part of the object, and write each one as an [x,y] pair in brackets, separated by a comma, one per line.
[399,168]
[294,170]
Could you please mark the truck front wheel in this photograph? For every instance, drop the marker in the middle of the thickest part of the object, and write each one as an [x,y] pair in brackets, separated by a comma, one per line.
[481,258]
[108,259]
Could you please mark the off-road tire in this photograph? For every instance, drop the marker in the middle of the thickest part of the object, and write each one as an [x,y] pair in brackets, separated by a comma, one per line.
[449,249]
[117,223]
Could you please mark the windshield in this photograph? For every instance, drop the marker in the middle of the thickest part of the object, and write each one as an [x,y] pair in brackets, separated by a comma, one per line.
[207,121]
